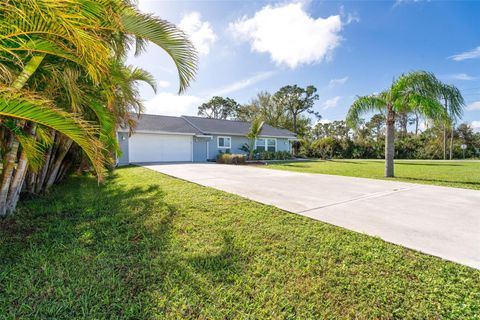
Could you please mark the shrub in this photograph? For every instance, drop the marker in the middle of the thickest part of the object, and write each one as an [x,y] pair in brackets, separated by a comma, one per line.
[270,155]
[228,158]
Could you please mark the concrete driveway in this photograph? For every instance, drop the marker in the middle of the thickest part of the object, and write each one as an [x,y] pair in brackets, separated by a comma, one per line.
[440,221]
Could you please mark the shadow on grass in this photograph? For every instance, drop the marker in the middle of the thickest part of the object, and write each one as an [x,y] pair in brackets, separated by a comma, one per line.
[100,251]
[428,164]
[219,266]
[444,182]
[308,162]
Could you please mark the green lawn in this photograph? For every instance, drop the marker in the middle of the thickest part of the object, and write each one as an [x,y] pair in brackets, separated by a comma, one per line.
[460,174]
[146,246]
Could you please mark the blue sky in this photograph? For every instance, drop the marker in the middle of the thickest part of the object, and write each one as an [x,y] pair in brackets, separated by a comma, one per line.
[345,49]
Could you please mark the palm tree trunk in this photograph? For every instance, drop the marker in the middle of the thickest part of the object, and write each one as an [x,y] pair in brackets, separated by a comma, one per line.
[11,155]
[451,141]
[63,149]
[17,183]
[390,142]
[295,146]
[7,172]
[445,138]
[417,120]
[31,179]
[64,170]
[18,178]
[445,141]
[43,172]
[27,72]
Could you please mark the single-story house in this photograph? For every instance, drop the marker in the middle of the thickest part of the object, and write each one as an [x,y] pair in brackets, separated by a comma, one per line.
[193,139]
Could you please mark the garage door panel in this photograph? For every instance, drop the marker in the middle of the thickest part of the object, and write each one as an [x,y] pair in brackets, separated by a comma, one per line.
[146,147]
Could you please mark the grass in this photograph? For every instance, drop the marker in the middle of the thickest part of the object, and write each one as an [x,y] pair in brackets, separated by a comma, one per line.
[148,246]
[460,174]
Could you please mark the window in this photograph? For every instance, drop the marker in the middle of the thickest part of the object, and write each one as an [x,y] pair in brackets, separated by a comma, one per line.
[224,142]
[260,143]
[268,144]
[272,145]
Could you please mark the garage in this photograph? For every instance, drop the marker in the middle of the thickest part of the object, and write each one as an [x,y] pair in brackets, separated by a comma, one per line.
[152,147]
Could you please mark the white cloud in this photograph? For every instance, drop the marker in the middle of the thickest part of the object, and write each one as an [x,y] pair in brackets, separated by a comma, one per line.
[336,82]
[324,121]
[242,84]
[171,104]
[352,17]
[475,125]
[473,106]
[472,54]
[289,34]
[459,76]
[331,103]
[400,2]
[200,32]
[163,84]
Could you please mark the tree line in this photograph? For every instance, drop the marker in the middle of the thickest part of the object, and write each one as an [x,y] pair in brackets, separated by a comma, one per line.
[367,141]
[288,108]
[65,87]
[415,118]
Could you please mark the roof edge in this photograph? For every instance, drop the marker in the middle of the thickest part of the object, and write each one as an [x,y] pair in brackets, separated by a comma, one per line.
[190,123]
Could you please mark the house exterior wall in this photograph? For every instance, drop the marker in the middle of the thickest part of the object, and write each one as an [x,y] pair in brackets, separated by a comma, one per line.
[200,149]
[122,137]
[237,142]
[203,148]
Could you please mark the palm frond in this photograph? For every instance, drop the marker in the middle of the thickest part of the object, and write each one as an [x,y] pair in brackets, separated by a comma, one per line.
[34,150]
[413,83]
[428,107]
[255,128]
[453,99]
[167,36]
[69,29]
[138,74]
[363,105]
[25,106]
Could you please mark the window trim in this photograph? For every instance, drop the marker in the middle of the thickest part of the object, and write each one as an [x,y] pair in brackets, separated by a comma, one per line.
[266,143]
[224,147]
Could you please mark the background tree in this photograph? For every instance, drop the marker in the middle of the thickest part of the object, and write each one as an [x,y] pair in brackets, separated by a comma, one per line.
[263,106]
[376,125]
[415,90]
[219,108]
[453,103]
[296,101]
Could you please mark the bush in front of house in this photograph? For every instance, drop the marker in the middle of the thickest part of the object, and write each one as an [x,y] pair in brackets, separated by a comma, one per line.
[270,155]
[229,158]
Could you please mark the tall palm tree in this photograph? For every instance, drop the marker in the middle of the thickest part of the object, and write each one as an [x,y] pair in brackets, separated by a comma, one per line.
[414,90]
[453,104]
[87,33]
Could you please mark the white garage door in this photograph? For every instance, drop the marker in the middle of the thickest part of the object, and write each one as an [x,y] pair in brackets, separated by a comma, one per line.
[148,147]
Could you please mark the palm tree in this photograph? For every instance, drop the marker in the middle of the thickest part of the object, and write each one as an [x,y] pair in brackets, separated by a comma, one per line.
[86,33]
[254,133]
[453,104]
[417,89]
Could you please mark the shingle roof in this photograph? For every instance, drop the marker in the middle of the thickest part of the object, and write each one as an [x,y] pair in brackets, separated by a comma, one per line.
[151,122]
[217,126]
[198,125]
